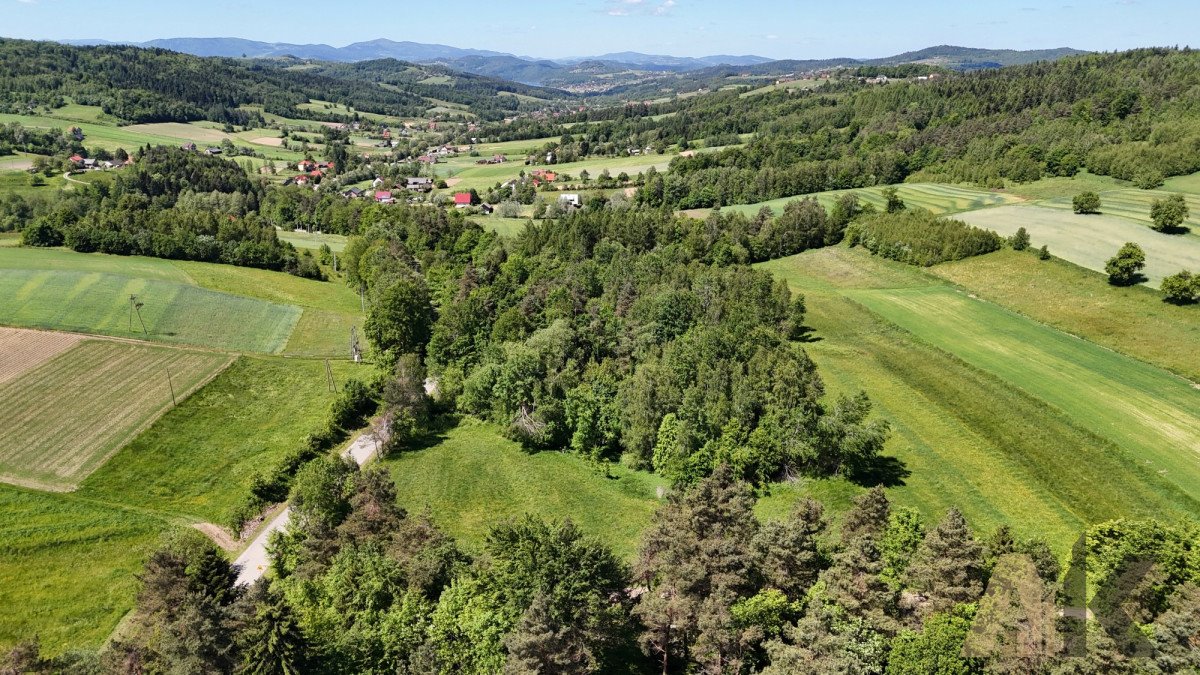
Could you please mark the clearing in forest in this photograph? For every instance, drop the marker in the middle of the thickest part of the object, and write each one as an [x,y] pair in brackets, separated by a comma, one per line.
[65,417]
[933,197]
[1090,240]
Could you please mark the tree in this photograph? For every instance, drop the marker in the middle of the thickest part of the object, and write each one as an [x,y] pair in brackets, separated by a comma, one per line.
[788,552]
[937,648]
[1124,269]
[1086,202]
[400,317]
[1020,240]
[948,567]
[1015,626]
[1181,288]
[1168,214]
[273,643]
[894,203]
[869,516]
[1044,252]
[1176,633]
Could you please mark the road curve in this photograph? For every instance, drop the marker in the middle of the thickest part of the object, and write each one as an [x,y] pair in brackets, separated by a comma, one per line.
[254,561]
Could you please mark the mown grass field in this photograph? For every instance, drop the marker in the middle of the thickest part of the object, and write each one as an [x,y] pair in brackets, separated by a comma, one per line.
[1133,205]
[67,567]
[203,304]
[475,478]
[936,198]
[1090,240]
[335,242]
[1189,184]
[974,434]
[67,415]
[1134,320]
[481,177]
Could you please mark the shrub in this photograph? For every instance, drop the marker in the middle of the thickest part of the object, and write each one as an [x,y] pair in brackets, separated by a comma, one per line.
[1168,214]
[1086,202]
[1124,269]
[1182,288]
[1020,240]
[1044,252]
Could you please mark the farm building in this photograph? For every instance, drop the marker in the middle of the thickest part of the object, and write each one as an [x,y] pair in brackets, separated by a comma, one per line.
[570,199]
[419,184]
[384,197]
[462,200]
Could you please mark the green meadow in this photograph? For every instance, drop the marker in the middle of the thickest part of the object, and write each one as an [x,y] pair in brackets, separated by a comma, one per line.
[981,418]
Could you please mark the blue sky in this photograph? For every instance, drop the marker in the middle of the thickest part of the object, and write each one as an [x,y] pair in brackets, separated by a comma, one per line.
[557,28]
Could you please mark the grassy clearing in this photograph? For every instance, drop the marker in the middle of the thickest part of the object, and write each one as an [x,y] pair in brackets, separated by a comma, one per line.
[970,438]
[481,177]
[198,460]
[1090,240]
[1133,321]
[67,567]
[17,182]
[934,197]
[40,291]
[335,242]
[505,227]
[65,417]
[10,239]
[794,84]
[475,478]
[1189,184]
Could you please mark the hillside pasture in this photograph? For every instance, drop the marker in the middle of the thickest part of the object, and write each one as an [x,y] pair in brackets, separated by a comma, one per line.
[1131,320]
[936,198]
[1189,184]
[311,240]
[971,434]
[67,415]
[1090,240]
[198,460]
[67,567]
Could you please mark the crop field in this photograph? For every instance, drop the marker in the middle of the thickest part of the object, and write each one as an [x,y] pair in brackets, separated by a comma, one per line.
[481,177]
[67,567]
[1090,240]
[204,304]
[972,433]
[934,197]
[197,461]
[66,415]
[475,478]
[24,350]
[1132,320]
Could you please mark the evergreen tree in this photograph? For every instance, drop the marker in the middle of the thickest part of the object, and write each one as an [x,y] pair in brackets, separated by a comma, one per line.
[948,567]
[1015,626]
[273,643]
[869,517]
[788,555]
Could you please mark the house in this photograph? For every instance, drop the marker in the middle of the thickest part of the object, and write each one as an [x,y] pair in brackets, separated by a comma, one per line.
[419,184]
[300,180]
[427,159]
[462,200]
[486,209]
[387,134]
[377,183]
[353,193]
[89,164]
[306,165]
[213,151]
[384,197]
[189,147]
[77,160]
[570,199]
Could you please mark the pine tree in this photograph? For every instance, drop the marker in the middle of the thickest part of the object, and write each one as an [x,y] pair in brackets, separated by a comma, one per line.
[869,517]
[1015,626]
[540,644]
[789,559]
[854,583]
[948,568]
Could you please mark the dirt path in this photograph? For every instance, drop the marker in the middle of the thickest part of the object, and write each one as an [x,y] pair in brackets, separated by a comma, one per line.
[254,561]
[68,178]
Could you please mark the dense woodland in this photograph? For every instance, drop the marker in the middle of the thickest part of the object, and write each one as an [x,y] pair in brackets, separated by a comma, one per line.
[155,85]
[361,586]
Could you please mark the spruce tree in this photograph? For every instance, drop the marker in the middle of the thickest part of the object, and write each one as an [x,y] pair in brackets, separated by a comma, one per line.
[948,567]
[273,642]
[869,517]
[787,551]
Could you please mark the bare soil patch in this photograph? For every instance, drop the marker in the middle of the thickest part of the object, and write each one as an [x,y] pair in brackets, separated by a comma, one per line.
[218,535]
[23,350]
[274,142]
[451,182]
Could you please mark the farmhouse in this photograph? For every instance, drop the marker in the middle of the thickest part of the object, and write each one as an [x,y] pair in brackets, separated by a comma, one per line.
[353,193]
[213,151]
[570,199]
[189,147]
[384,197]
[419,184]
[462,200]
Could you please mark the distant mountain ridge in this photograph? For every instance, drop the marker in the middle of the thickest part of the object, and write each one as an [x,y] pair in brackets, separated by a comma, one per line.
[579,71]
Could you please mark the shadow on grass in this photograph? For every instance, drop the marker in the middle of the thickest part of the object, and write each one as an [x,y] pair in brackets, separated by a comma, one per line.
[808,335]
[885,471]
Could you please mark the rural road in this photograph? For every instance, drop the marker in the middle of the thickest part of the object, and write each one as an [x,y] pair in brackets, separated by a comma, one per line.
[253,562]
[67,176]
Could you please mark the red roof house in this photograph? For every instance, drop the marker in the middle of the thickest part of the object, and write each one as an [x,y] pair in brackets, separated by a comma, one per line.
[462,199]
[383,197]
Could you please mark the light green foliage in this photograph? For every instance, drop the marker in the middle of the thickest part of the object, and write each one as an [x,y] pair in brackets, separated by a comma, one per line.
[1181,288]
[1124,269]
[1169,213]
[899,544]
[937,648]
[1086,203]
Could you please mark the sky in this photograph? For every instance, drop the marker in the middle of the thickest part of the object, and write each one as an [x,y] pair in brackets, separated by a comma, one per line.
[800,29]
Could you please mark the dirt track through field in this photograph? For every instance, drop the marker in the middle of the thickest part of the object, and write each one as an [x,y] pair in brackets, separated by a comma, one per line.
[23,350]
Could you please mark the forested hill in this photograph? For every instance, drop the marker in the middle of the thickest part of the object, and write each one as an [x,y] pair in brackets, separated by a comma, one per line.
[155,85]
